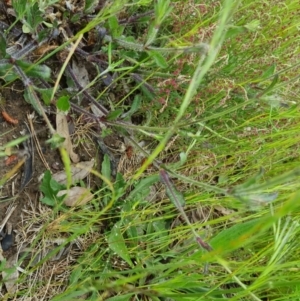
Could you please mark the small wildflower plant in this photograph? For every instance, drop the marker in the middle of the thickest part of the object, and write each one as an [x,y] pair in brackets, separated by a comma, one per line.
[211,211]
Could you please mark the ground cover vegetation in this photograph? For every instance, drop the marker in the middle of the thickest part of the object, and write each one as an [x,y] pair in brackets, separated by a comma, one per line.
[166,147]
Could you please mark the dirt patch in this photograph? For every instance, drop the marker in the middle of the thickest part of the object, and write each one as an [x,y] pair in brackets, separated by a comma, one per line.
[87,145]
[20,204]
[13,195]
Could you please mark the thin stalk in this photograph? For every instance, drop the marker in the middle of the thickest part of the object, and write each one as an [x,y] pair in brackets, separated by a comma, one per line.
[278,180]
[202,47]
[179,202]
[202,68]
[237,280]
[62,70]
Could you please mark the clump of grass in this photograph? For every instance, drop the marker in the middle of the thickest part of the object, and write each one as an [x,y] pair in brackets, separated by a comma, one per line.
[224,122]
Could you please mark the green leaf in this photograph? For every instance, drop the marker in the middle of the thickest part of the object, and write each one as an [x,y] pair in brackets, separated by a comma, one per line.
[115,29]
[136,230]
[19,7]
[114,114]
[117,244]
[119,185]
[251,181]
[234,31]
[269,72]
[143,186]
[255,201]
[270,87]
[44,33]
[240,234]
[6,71]
[63,103]
[71,294]
[14,142]
[48,201]
[253,26]
[130,55]
[45,94]
[55,141]
[158,58]
[49,187]
[49,25]
[90,5]
[126,297]
[67,165]
[152,33]
[133,234]
[33,16]
[29,98]
[46,186]
[144,2]
[39,71]
[223,179]
[106,167]
[75,18]
[174,195]
[162,9]
[159,227]
[273,100]
[136,104]
[113,24]
[55,186]
[183,157]
[76,274]
[26,28]
[150,96]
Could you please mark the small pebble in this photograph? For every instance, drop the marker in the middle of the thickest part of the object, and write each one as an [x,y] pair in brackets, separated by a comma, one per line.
[56,166]
[7,241]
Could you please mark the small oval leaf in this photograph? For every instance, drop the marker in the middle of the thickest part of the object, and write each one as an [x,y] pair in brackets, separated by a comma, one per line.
[63,103]
[117,244]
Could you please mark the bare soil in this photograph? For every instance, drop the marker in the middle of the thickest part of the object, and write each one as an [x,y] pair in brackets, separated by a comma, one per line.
[11,196]
[11,193]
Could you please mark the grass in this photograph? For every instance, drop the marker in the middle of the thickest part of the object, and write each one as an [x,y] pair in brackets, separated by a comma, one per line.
[212,213]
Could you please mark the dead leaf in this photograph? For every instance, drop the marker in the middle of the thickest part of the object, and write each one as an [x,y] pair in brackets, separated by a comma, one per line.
[81,72]
[79,171]
[63,130]
[10,275]
[98,113]
[76,196]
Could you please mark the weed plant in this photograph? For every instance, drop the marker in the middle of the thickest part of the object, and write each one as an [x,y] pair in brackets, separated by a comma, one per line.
[212,213]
